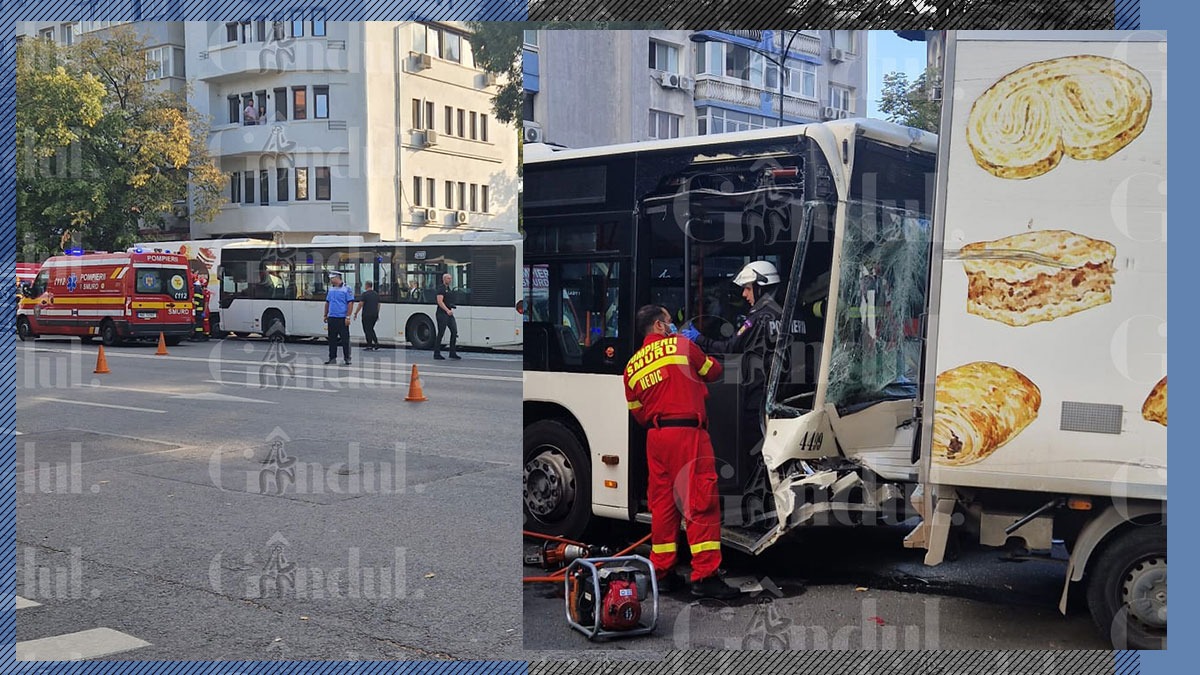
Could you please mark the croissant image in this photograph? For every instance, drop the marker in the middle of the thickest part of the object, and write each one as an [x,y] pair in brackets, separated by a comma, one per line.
[1086,107]
[1155,407]
[978,408]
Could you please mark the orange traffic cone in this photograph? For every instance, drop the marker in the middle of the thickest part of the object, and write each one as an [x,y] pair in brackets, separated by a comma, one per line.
[101,362]
[414,388]
[162,345]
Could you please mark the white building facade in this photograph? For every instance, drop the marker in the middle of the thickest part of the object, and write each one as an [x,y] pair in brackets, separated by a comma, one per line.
[378,129]
[587,88]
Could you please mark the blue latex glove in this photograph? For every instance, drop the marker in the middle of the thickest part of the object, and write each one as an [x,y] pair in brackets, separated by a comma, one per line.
[689,331]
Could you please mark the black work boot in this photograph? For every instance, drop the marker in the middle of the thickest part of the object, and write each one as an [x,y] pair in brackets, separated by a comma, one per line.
[714,587]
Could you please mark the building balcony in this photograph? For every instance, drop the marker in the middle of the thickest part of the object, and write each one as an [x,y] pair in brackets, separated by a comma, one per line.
[727,92]
[753,35]
[281,138]
[309,217]
[806,44]
[232,60]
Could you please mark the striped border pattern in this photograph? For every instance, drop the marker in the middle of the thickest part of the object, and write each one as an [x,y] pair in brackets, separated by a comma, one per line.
[1078,662]
[857,14]
[228,10]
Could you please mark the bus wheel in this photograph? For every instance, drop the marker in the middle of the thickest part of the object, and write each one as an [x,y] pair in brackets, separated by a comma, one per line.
[24,330]
[274,327]
[1127,589]
[557,481]
[420,331]
[109,335]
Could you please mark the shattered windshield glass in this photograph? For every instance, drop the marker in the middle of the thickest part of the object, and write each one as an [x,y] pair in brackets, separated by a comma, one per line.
[884,277]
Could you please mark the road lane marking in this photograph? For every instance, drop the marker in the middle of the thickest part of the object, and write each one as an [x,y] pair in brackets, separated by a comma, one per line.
[22,603]
[103,405]
[257,385]
[214,396]
[86,644]
[354,373]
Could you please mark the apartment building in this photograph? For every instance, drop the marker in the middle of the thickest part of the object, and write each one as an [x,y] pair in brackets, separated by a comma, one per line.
[587,88]
[378,129]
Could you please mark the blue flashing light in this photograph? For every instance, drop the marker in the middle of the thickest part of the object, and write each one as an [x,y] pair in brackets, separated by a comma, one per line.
[74,251]
[138,250]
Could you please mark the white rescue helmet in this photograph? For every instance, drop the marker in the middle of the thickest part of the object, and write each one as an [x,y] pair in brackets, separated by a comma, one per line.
[759,273]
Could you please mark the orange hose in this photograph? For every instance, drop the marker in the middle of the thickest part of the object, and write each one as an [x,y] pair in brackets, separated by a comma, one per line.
[550,537]
[557,576]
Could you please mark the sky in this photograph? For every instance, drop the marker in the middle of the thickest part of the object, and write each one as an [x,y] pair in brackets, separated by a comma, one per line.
[888,53]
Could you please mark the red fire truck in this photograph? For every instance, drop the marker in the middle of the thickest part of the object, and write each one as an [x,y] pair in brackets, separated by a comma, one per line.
[113,296]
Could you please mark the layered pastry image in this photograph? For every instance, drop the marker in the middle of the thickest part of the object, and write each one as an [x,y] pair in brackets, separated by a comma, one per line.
[978,408]
[1086,107]
[1037,276]
[1155,407]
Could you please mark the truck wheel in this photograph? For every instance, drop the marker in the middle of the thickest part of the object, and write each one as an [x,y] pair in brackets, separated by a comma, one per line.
[557,485]
[109,335]
[24,330]
[173,340]
[420,332]
[274,327]
[1127,589]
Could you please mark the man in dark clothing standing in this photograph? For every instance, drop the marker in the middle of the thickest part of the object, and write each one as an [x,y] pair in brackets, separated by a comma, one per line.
[368,306]
[445,318]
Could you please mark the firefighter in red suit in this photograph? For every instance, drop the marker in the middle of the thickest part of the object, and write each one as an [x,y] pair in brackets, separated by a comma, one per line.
[665,388]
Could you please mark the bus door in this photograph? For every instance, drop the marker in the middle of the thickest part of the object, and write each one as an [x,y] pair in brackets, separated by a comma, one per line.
[491,290]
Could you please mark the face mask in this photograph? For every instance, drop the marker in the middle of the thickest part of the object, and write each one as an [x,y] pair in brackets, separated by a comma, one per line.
[671,329]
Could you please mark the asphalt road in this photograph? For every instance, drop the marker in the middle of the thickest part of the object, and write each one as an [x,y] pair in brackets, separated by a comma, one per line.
[227,501]
[845,589]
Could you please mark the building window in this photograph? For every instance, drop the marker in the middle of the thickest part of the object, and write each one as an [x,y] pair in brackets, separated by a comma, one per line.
[483,128]
[177,62]
[719,121]
[418,38]
[474,198]
[732,61]
[664,125]
[248,102]
[301,183]
[802,80]
[264,182]
[235,187]
[429,123]
[530,37]
[159,59]
[449,194]
[281,184]
[318,28]
[260,31]
[416,113]
[320,102]
[664,56]
[433,42]
[323,183]
[527,107]
[297,29]
[281,104]
[299,103]
[474,126]
[462,196]
[462,123]
[416,195]
[248,183]
[235,109]
[261,105]
[70,33]
[453,47]
[840,98]
[844,40]
[449,121]
[430,191]
[231,31]
[483,189]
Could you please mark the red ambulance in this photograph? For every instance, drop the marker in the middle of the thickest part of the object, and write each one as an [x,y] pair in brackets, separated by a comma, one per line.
[113,296]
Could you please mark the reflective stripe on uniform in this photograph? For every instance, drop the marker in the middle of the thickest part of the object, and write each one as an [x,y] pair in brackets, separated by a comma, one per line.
[634,405]
[708,364]
[663,548]
[705,546]
[677,359]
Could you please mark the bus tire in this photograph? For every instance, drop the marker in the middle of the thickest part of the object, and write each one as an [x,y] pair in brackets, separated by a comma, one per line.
[274,327]
[420,332]
[24,329]
[109,336]
[557,484]
[1127,588]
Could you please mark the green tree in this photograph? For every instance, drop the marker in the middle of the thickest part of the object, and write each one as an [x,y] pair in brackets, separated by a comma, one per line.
[100,150]
[909,103]
[497,49]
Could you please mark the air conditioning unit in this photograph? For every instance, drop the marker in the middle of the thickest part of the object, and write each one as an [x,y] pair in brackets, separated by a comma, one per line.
[430,215]
[460,217]
[179,209]
[420,61]
[429,138]
[533,133]
[843,114]
[489,79]
[935,92]
[687,83]
[669,80]
[837,55]
[829,112]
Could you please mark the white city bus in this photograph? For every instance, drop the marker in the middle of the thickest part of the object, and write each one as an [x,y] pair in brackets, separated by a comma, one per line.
[278,290]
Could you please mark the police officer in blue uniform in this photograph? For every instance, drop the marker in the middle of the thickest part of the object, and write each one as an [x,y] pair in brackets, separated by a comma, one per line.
[339,301]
